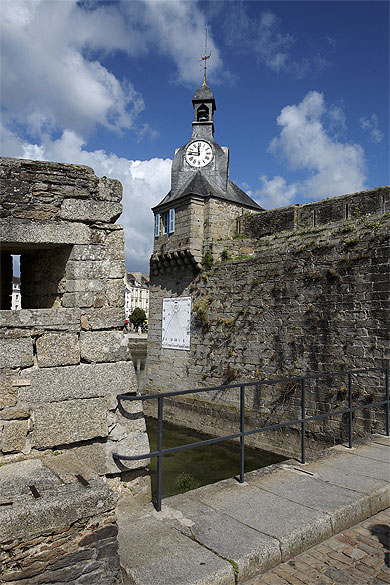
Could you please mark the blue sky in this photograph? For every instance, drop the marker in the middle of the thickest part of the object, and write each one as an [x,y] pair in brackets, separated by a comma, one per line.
[302,94]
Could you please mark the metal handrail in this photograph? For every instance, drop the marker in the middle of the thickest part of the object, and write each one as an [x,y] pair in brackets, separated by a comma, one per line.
[243,433]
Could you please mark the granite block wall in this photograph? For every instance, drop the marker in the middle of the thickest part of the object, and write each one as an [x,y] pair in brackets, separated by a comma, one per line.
[64,357]
[314,296]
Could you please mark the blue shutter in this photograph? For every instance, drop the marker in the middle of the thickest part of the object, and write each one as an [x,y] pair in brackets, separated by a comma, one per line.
[171,221]
[157,225]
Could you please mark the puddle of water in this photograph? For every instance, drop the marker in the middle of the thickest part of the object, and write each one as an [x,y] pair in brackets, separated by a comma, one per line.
[193,468]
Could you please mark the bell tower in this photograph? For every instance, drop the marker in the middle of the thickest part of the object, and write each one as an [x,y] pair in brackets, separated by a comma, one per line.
[203,204]
[204,108]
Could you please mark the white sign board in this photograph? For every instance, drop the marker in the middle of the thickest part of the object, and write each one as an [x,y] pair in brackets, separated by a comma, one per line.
[176,321]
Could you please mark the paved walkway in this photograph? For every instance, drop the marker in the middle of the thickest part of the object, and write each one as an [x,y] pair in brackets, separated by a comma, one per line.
[358,556]
[228,533]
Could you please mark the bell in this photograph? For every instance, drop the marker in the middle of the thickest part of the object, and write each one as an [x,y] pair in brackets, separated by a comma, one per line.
[203,115]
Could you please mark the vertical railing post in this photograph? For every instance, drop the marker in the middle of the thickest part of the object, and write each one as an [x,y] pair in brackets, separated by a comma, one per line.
[350,411]
[387,401]
[242,438]
[159,456]
[303,423]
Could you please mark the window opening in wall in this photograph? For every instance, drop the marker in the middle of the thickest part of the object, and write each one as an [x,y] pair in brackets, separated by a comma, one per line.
[32,278]
[203,114]
[16,299]
[167,221]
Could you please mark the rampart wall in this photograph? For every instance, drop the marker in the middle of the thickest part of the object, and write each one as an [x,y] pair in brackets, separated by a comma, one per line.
[64,357]
[314,296]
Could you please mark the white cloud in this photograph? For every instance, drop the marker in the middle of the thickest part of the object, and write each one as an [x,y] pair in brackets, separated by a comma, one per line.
[178,30]
[277,49]
[304,142]
[272,45]
[48,82]
[52,78]
[371,125]
[144,183]
[274,192]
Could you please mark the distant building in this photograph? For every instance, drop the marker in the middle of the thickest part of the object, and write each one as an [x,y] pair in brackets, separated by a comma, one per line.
[136,292]
[16,302]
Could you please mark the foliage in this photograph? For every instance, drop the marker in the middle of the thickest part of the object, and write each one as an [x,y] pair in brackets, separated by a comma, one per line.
[200,310]
[185,482]
[225,256]
[138,317]
[235,566]
[207,260]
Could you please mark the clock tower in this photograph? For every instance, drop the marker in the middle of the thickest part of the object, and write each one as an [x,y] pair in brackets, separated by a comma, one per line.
[203,205]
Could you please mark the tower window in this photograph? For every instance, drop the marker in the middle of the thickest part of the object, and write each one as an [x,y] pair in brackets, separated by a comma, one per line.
[164,223]
[203,113]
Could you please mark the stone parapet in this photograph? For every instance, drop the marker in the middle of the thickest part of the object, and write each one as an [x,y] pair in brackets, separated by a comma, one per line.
[40,190]
[64,355]
[335,209]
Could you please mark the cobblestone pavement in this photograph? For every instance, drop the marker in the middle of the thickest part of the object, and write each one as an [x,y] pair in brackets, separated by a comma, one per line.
[357,556]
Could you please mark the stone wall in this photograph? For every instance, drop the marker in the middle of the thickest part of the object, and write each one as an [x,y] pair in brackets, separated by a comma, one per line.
[58,524]
[310,298]
[64,357]
[350,206]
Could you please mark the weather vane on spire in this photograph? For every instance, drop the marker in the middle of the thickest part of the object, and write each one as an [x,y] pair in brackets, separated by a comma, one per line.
[205,59]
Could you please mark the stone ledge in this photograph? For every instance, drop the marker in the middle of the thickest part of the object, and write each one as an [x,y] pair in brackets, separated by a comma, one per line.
[60,503]
[61,319]
[25,233]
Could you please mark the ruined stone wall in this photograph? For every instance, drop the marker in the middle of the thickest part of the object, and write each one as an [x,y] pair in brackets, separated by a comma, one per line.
[64,534]
[64,357]
[311,298]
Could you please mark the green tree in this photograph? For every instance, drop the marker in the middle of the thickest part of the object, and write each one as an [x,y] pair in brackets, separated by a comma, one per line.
[138,317]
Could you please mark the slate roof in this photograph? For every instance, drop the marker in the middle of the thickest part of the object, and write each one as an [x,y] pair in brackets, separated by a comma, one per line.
[204,93]
[200,186]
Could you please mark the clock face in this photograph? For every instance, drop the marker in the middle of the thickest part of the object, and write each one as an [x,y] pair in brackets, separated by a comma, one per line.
[199,153]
